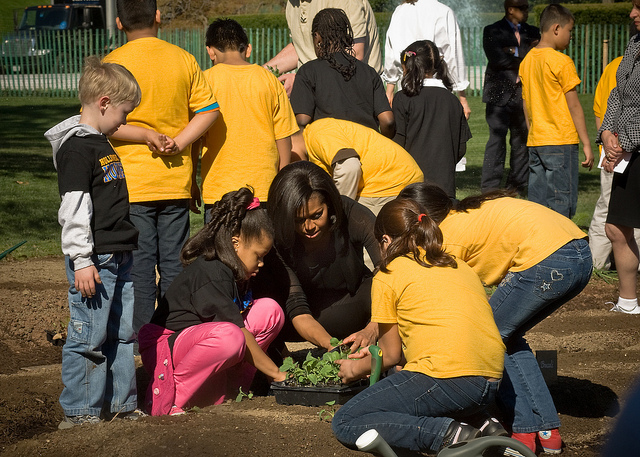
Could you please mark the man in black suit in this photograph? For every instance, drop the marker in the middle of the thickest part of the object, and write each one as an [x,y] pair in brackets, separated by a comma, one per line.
[505,43]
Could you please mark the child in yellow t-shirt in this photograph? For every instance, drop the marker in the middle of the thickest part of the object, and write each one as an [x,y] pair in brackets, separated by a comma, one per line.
[366,166]
[178,102]
[251,141]
[432,309]
[554,115]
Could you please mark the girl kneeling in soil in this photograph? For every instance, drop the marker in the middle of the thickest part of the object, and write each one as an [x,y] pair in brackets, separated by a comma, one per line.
[215,332]
[435,309]
[539,260]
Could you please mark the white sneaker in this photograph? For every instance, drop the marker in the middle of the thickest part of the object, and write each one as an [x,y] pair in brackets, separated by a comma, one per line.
[618,309]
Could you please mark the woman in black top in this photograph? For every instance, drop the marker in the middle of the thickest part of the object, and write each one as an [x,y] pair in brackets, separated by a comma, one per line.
[320,236]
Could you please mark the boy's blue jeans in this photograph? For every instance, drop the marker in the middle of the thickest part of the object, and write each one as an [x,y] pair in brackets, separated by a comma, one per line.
[412,410]
[98,368]
[522,300]
[553,177]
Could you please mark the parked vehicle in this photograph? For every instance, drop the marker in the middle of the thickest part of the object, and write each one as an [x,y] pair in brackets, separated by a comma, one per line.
[46,38]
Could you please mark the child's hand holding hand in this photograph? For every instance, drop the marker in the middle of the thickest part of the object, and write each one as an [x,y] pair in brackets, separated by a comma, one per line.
[85,281]
[161,143]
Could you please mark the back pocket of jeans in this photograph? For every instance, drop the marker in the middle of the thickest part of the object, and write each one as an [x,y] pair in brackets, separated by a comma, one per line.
[552,283]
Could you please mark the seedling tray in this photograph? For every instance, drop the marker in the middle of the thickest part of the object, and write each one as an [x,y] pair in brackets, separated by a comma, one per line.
[316,396]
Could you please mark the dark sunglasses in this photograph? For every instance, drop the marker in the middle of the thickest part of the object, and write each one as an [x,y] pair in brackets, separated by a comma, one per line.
[522,7]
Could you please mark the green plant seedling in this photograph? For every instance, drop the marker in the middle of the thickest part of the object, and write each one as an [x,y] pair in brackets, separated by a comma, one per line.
[327,414]
[242,395]
[314,370]
[608,276]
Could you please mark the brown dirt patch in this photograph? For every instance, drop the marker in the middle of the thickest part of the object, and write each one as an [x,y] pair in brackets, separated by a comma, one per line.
[598,359]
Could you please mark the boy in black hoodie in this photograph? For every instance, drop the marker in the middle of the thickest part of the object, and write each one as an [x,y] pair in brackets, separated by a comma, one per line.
[98,368]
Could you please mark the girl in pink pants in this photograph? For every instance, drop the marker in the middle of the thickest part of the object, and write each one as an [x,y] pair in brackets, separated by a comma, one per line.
[208,336]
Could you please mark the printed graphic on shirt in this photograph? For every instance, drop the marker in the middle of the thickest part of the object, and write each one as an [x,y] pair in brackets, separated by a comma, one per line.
[112,167]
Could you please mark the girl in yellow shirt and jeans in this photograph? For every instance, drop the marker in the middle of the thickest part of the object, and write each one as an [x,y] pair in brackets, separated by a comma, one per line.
[433,308]
[539,260]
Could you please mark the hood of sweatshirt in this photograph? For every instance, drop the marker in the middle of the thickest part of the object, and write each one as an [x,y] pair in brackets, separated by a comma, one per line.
[60,133]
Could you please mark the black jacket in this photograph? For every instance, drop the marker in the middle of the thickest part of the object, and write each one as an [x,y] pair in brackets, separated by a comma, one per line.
[502,70]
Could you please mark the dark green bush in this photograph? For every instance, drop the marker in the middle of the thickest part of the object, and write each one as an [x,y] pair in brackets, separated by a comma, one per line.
[256,21]
[591,13]
[278,20]
[585,13]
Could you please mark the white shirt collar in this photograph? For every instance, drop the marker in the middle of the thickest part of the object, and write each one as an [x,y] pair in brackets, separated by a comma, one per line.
[432,82]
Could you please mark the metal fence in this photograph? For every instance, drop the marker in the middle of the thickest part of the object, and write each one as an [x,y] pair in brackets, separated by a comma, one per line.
[49,63]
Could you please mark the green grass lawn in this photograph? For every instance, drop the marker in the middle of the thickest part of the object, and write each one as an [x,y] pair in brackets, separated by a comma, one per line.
[28,187]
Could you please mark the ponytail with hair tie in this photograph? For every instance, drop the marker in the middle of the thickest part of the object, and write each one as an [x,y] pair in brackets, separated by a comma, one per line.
[406,55]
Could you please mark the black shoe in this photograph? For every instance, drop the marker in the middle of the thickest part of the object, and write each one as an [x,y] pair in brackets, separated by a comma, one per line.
[491,427]
[459,431]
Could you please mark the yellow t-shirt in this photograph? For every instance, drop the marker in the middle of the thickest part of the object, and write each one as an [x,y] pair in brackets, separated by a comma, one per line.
[506,234]
[605,86]
[547,75]
[443,316]
[173,89]
[603,89]
[240,148]
[386,167]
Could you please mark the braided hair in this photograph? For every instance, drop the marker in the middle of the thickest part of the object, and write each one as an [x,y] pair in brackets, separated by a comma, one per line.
[419,59]
[336,36]
[413,233]
[230,217]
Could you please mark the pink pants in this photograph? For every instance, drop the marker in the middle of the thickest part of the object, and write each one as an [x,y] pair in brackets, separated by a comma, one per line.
[208,358]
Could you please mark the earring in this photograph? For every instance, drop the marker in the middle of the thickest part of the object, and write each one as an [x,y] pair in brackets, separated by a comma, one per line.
[333,219]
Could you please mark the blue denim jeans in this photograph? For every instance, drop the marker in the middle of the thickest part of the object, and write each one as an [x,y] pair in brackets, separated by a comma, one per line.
[98,369]
[553,177]
[522,300]
[164,228]
[411,410]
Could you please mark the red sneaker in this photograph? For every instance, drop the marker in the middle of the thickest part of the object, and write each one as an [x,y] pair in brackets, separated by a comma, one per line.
[550,441]
[176,411]
[528,439]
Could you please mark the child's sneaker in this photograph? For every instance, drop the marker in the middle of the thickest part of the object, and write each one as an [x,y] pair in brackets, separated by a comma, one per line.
[528,439]
[72,421]
[619,309]
[459,431]
[175,411]
[492,427]
[550,441]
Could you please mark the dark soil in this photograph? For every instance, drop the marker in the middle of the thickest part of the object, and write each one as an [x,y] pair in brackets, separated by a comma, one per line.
[598,360]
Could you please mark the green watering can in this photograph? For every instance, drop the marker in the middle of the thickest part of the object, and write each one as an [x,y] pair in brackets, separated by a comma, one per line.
[376,363]
[371,441]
